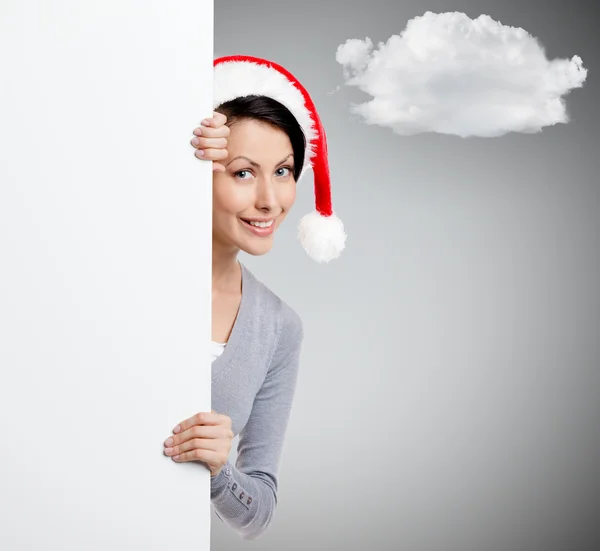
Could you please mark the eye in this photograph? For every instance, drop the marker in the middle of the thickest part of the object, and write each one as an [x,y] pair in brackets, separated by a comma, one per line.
[288,168]
[237,174]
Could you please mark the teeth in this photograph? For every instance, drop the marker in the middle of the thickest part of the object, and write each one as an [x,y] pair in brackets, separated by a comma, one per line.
[262,224]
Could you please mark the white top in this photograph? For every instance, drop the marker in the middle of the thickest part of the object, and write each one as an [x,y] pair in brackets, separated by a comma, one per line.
[217,349]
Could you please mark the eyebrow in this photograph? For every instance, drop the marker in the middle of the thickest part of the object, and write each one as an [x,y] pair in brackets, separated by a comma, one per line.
[255,163]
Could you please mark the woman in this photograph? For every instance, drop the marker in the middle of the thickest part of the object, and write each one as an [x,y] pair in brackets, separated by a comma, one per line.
[260,139]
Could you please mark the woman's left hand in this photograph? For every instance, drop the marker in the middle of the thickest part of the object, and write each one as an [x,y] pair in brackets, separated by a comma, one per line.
[204,437]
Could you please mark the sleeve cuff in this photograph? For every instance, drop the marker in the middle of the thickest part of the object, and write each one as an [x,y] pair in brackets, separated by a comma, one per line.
[219,483]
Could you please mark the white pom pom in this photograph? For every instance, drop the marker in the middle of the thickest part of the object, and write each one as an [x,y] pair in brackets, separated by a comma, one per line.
[322,237]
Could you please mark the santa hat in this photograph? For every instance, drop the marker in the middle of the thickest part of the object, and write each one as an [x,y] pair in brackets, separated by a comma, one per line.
[321,232]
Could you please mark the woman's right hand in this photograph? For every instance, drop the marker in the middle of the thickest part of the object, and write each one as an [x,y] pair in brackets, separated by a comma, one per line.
[210,140]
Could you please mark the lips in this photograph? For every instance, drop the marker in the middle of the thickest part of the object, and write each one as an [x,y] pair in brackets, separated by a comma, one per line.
[255,230]
[257,219]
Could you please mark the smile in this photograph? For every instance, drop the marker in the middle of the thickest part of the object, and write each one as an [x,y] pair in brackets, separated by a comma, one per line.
[261,229]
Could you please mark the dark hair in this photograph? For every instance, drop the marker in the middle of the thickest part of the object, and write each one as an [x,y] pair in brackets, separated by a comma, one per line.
[266,109]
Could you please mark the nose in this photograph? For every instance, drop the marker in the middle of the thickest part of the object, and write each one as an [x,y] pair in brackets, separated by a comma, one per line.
[266,196]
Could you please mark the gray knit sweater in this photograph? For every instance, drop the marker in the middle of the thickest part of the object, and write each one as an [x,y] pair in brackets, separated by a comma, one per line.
[253,382]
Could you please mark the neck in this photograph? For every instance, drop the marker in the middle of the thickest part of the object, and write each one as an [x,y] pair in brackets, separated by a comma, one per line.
[225,268]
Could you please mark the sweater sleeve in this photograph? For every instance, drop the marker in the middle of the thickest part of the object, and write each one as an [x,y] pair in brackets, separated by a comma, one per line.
[244,496]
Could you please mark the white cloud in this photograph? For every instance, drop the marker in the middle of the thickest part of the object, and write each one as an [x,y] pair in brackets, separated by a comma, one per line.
[450,74]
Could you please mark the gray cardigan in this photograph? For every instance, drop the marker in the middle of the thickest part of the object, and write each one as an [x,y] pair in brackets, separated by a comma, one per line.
[253,382]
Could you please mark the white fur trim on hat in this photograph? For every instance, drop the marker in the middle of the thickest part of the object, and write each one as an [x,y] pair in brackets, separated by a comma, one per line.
[323,237]
[234,79]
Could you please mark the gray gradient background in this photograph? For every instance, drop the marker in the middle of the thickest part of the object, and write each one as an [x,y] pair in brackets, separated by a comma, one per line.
[449,390]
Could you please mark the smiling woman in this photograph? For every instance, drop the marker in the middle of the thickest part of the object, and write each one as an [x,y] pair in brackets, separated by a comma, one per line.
[271,129]
[258,187]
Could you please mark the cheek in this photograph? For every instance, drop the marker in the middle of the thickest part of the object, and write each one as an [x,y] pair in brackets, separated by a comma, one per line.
[229,200]
[287,195]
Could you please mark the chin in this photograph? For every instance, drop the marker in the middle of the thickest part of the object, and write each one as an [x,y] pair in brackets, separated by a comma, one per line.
[258,249]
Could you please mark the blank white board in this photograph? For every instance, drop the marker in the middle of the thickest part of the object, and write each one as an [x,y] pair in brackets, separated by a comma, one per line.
[105,243]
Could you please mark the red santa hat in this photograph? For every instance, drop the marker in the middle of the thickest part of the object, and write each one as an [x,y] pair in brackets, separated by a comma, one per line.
[321,232]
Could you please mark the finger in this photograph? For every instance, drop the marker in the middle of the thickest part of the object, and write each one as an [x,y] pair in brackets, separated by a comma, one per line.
[226,422]
[221,132]
[209,143]
[218,167]
[201,443]
[219,119]
[198,431]
[201,418]
[212,418]
[204,455]
[211,154]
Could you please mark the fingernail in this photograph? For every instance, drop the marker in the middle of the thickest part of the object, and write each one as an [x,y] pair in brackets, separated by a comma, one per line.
[195,141]
[200,152]
[168,441]
[177,429]
[206,122]
[168,450]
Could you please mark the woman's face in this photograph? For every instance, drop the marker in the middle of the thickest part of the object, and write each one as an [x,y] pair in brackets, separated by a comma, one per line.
[257,185]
